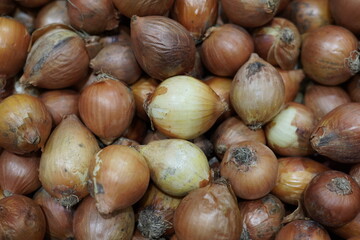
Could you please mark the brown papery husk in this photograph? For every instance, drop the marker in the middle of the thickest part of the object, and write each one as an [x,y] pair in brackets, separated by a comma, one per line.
[143,7]
[7,7]
[353,88]
[209,213]
[292,80]
[117,60]
[89,224]
[337,135]
[166,42]
[53,12]
[65,160]
[299,228]
[355,172]
[137,130]
[57,59]
[345,14]
[21,218]
[351,229]
[258,92]
[25,124]
[59,220]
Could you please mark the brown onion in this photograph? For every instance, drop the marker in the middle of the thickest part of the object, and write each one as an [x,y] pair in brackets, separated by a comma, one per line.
[329,55]
[153,136]
[294,175]
[14,37]
[25,124]
[58,59]
[22,88]
[21,218]
[355,172]
[117,60]
[137,130]
[107,108]
[261,218]
[60,103]
[353,88]
[250,13]
[292,80]
[242,165]
[19,174]
[65,161]
[349,230]
[332,198]
[89,224]
[258,92]
[225,49]
[208,213]
[27,17]
[322,99]
[337,134]
[53,12]
[288,133]
[32,3]
[7,7]
[197,70]
[162,46]
[59,220]
[233,131]
[195,16]
[278,42]
[303,229]
[143,7]
[345,14]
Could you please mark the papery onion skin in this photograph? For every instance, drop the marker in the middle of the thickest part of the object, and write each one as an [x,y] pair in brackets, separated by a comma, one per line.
[303,229]
[329,55]
[337,135]
[294,175]
[349,230]
[89,224]
[166,42]
[184,107]
[355,172]
[353,88]
[292,80]
[21,218]
[25,124]
[332,198]
[208,213]
[65,160]
[345,14]
[242,165]
[143,7]
[53,12]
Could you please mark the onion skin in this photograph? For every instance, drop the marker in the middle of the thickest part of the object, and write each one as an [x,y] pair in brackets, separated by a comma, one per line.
[353,88]
[294,175]
[261,218]
[166,42]
[292,80]
[53,12]
[143,7]
[208,213]
[19,174]
[63,174]
[21,218]
[345,14]
[31,121]
[89,224]
[349,230]
[303,229]
[332,198]
[337,135]
[355,172]
[329,55]
[7,7]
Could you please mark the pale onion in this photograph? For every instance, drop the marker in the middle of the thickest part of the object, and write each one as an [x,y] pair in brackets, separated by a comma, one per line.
[65,161]
[184,107]
[176,166]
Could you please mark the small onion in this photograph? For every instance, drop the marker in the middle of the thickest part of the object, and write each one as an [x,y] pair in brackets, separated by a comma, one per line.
[184,107]
[242,165]
[53,12]
[21,218]
[345,14]
[292,80]
[353,88]
[332,198]
[208,213]
[137,130]
[303,229]
[176,166]
[355,172]
[89,224]
[258,92]
[143,7]
[349,230]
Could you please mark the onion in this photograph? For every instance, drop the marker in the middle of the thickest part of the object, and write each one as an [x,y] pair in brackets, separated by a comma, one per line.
[153,136]
[25,124]
[32,3]
[89,224]
[184,107]
[355,172]
[19,174]
[292,80]
[143,7]
[349,230]
[162,46]
[332,198]
[176,166]
[353,88]
[7,7]
[26,16]
[65,161]
[345,14]
[21,218]
[137,130]
[208,213]
[53,12]
[299,229]
[257,92]
[242,165]
[225,49]
[329,55]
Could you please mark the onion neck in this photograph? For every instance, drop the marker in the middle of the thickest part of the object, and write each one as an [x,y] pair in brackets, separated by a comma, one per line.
[287,36]
[244,158]
[353,62]
[340,186]
[272,6]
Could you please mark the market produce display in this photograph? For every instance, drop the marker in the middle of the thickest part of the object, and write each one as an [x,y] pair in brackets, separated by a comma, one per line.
[179,120]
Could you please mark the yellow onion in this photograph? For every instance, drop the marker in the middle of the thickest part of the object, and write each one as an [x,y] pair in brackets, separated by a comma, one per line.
[292,80]
[53,12]
[57,59]
[208,213]
[258,92]
[118,178]
[65,161]
[89,224]
[298,229]
[184,107]
[176,166]
[25,124]
[143,7]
